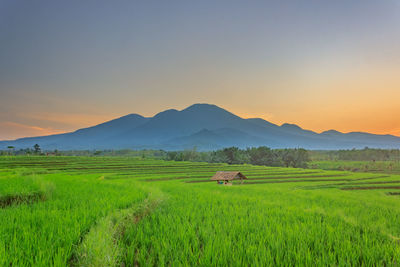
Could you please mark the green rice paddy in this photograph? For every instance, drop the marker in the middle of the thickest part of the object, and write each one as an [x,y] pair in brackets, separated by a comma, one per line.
[111,211]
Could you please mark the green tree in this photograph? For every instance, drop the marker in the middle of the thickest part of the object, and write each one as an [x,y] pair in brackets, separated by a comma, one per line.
[234,155]
[37,149]
[301,158]
[172,155]
[261,156]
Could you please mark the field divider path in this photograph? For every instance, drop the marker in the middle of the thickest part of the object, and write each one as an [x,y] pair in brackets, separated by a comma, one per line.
[370,187]
[351,182]
[102,244]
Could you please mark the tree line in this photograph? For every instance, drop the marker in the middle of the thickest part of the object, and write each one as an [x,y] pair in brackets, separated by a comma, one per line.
[266,156]
[366,154]
[35,150]
[297,158]
[257,155]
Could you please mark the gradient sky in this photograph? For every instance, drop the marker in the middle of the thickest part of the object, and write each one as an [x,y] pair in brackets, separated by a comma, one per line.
[320,64]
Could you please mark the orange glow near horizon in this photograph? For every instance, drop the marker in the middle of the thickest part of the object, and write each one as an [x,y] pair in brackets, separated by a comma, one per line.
[375,121]
[12,130]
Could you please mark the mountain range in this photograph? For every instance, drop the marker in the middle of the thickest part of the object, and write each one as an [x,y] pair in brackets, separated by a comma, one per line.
[205,126]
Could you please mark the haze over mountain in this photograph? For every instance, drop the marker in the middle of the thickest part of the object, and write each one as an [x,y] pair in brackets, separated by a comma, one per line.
[204,126]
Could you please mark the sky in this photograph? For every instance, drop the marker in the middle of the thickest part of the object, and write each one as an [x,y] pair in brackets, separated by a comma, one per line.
[320,64]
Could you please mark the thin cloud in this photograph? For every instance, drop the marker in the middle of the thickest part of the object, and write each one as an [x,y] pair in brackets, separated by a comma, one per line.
[13,130]
[71,121]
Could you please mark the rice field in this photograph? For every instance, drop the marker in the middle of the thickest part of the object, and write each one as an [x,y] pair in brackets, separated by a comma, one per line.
[111,211]
[389,166]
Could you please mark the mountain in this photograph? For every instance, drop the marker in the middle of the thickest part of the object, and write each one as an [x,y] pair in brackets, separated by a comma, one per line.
[87,138]
[204,126]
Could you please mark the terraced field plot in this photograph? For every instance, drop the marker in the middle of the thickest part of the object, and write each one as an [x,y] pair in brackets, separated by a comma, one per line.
[105,211]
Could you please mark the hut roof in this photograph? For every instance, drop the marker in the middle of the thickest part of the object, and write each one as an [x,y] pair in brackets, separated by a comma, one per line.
[228,176]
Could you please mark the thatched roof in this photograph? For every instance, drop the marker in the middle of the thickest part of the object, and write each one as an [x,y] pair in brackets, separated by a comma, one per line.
[228,176]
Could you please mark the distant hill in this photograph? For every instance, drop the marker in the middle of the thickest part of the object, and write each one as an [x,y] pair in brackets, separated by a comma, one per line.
[204,126]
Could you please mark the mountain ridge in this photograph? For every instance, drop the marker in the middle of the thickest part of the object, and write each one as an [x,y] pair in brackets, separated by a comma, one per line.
[205,126]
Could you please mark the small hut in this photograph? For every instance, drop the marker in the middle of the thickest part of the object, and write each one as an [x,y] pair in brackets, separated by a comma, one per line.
[226,178]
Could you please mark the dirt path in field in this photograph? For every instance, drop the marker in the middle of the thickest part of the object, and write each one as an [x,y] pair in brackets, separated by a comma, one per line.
[293,181]
[282,179]
[101,244]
